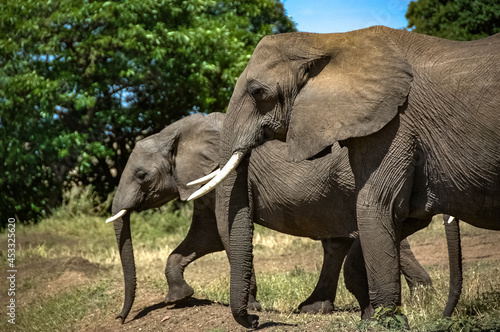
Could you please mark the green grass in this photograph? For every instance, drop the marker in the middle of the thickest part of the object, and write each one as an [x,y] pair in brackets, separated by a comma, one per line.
[282,286]
[61,312]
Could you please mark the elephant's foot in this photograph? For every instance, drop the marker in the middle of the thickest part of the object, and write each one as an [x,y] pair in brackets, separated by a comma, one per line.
[318,307]
[253,304]
[248,321]
[178,294]
[367,313]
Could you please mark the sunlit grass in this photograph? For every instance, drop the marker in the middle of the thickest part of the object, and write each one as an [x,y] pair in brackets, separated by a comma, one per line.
[61,311]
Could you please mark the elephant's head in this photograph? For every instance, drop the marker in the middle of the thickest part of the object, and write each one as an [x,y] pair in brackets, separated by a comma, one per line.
[156,172]
[315,89]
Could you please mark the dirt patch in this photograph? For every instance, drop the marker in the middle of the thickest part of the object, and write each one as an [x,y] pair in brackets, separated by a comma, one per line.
[195,315]
[75,264]
[76,271]
[39,278]
[53,268]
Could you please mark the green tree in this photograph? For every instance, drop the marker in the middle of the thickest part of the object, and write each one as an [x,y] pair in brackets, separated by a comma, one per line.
[82,80]
[455,19]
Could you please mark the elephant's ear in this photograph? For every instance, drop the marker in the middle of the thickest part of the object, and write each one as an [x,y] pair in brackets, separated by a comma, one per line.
[355,94]
[197,151]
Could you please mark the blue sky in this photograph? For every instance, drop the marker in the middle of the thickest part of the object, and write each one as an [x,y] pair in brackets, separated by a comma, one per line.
[346,15]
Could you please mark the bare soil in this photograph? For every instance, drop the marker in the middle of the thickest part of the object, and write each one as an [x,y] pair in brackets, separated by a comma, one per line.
[149,313]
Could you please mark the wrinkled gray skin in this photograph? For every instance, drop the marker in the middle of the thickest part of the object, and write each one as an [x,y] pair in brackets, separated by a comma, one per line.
[156,173]
[418,114]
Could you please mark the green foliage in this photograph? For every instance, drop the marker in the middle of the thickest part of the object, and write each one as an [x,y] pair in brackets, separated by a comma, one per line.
[466,324]
[391,318]
[457,19]
[284,291]
[83,201]
[80,81]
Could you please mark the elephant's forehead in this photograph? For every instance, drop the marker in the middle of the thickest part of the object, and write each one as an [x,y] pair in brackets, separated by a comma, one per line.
[267,71]
[259,64]
[267,56]
[147,145]
[265,49]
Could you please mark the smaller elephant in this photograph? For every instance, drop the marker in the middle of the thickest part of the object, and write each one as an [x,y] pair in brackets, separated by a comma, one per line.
[161,165]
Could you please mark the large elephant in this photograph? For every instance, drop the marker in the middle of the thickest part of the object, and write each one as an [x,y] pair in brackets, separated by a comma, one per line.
[420,117]
[156,173]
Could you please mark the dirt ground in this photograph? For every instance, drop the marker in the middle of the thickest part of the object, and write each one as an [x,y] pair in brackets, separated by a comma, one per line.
[149,313]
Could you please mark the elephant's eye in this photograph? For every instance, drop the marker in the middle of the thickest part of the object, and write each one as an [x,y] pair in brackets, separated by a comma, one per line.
[257,93]
[256,89]
[141,175]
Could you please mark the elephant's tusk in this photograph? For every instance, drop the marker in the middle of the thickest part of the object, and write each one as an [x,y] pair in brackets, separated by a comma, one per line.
[450,220]
[204,179]
[116,216]
[221,175]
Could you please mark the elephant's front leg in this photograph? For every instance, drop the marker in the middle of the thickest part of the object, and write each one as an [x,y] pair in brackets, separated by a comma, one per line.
[322,298]
[380,244]
[202,238]
[383,167]
[355,272]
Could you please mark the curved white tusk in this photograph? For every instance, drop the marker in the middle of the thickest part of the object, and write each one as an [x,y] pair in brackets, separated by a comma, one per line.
[450,219]
[116,216]
[204,179]
[232,163]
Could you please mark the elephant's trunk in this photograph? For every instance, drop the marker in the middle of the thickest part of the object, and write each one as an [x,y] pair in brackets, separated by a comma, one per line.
[241,249]
[452,230]
[234,217]
[124,240]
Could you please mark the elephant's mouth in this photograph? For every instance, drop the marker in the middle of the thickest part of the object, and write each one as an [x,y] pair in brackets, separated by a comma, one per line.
[215,178]
[275,130]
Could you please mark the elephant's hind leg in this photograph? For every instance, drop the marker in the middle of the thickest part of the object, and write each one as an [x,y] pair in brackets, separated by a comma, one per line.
[322,298]
[355,279]
[413,272]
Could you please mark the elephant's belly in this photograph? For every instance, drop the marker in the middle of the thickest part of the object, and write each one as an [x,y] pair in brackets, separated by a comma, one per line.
[485,218]
[308,221]
[476,206]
